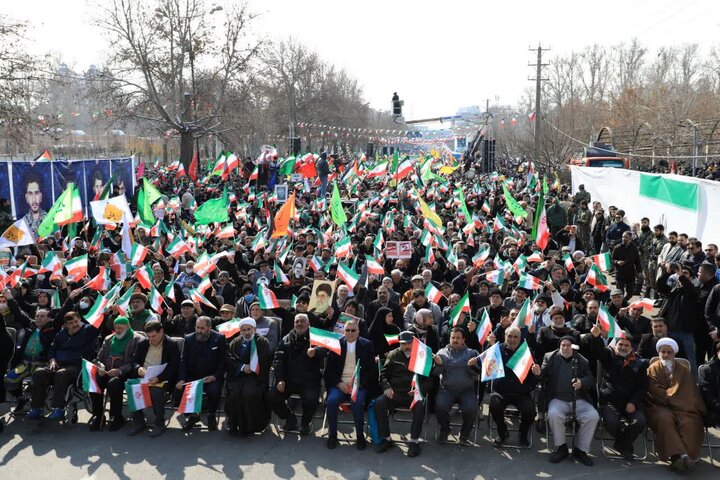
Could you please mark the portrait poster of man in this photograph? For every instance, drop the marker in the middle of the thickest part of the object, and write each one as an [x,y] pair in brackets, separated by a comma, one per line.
[5,185]
[65,172]
[299,267]
[322,294]
[32,192]
[123,170]
[97,173]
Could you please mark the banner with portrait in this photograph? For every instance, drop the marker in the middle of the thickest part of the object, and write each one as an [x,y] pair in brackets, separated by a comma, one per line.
[97,174]
[32,194]
[124,172]
[5,190]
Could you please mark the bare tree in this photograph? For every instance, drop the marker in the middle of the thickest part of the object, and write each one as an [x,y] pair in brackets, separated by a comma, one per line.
[162,49]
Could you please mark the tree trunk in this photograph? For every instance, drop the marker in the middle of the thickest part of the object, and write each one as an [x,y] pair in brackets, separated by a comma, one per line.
[186,148]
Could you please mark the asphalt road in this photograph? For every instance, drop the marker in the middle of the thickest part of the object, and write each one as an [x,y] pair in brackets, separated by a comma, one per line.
[49,450]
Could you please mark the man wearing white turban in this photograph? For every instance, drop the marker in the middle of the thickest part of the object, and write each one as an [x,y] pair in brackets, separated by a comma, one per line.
[674,408]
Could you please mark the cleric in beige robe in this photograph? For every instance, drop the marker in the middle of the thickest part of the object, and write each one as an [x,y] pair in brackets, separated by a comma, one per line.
[674,408]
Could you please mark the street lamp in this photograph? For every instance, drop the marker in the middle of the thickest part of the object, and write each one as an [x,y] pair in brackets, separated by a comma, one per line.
[694,126]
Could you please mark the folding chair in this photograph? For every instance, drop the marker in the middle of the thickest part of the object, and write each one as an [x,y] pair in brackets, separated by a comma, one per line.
[342,408]
[404,415]
[512,417]
[455,410]
[294,400]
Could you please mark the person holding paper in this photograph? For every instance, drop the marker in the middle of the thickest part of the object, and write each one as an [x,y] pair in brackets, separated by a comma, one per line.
[115,366]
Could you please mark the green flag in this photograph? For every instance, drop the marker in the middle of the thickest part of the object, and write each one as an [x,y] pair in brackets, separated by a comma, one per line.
[513,205]
[213,210]
[152,194]
[144,207]
[286,167]
[105,194]
[545,187]
[48,225]
[538,214]
[336,208]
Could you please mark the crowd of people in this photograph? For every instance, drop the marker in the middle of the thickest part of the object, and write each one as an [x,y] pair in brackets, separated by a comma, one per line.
[371,285]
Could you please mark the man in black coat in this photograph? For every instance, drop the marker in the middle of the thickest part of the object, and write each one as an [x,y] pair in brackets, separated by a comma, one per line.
[626,259]
[709,382]
[647,345]
[339,379]
[203,357]
[383,300]
[157,349]
[624,386]
[298,370]
[679,308]
[510,391]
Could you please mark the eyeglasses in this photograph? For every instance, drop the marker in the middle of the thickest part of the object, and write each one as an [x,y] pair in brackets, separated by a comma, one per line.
[351,330]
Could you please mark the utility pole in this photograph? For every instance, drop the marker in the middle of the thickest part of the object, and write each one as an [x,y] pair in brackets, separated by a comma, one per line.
[538,96]
[695,146]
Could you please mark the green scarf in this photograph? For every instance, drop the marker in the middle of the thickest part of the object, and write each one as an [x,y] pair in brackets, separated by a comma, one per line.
[117,347]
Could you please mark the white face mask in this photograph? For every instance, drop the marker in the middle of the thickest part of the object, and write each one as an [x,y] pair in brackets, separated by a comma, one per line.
[189,270]
[84,305]
[3,306]
[41,277]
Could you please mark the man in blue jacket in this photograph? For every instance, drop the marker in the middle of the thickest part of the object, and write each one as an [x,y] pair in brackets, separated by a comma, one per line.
[77,340]
[203,357]
[339,376]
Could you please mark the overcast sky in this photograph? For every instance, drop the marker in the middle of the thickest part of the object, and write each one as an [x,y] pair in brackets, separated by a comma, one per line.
[438,55]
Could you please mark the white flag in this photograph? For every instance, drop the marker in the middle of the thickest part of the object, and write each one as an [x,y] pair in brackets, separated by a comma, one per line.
[17,235]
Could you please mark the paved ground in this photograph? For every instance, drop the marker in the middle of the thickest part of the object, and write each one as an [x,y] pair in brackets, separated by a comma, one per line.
[48,450]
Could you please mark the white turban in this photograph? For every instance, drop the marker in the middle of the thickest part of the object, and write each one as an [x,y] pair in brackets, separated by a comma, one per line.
[669,342]
[247,321]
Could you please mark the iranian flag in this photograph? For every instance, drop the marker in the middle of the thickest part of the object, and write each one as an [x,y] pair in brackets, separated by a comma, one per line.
[170,290]
[462,306]
[421,358]
[496,276]
[254,174]
[51,263]
[137,254]
[101,281]
[536,257]
[480,258]
[226,232]
[529,282]
[379,241]
[267,298]
[145,276]
[486,207]
[379,170]
[138,394]
[644,303]
[355,382]
[280,276]
[316,264]
[602,260]
[483,330]
[180,171]
[521,362]
[429,255]
[198,297]
[70,208]
[347,275]
[156,300]
[204,285]
[76,268]
[543,233]
[177,247]
[392,339]
[254,359]
[568,261]
[191,401]
[608,323]
[123,302]
[404,169]
[415,390]
[373,266]
[89,377]
[325,339]
[525,315]
[229,328]
[520,264]
[432,293]
[343,247]
[597,279]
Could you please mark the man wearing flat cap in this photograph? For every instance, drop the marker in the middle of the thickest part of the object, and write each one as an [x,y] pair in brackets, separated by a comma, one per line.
[184,322]
[674,407]
[138,314]
[567,380]
[248,369]
[398,391]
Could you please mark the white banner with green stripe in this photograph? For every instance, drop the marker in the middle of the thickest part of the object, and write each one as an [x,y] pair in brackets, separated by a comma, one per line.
[684,204]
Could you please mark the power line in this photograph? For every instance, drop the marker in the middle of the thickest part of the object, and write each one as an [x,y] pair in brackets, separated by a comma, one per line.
[627,154]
